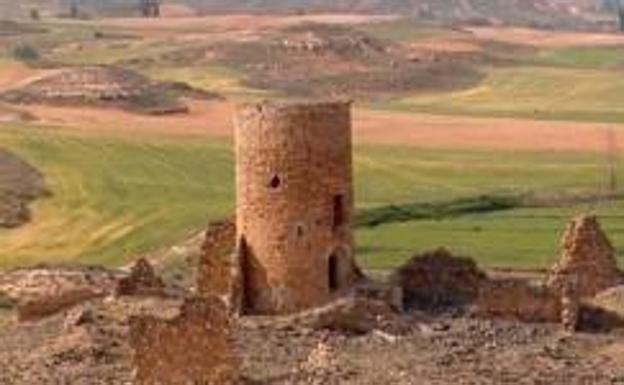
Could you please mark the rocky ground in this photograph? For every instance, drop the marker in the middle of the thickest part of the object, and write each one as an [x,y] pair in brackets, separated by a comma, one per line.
[88,345]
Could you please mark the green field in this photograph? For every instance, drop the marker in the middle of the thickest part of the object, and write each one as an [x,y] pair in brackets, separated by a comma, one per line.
[116,197]
[583,57]
[521,238]
[530,92]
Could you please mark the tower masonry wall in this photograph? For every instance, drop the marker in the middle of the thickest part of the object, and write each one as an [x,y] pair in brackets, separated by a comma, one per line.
[294,203]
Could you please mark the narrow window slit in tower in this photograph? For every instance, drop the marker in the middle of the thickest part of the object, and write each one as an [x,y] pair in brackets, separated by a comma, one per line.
[334,283]
[338,211]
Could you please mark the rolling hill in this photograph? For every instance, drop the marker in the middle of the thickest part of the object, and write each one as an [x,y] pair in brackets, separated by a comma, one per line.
[543,13]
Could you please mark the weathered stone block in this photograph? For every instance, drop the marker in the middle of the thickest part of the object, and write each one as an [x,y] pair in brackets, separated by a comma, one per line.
[194,347]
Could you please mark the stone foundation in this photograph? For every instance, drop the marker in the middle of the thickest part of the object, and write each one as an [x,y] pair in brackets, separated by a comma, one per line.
[519,301]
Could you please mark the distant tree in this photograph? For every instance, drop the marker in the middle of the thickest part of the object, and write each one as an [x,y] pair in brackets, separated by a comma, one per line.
[74,11]
[617,7]
[150,8]
[26,53]
[34,14]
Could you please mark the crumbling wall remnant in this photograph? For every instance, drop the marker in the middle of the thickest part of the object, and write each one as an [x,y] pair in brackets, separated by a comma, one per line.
[195,347]
[587,257]
[519,301]
[214,275]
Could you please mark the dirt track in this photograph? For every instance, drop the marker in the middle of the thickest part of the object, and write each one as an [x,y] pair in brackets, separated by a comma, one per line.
[237,22]
[546,39]
[370,127]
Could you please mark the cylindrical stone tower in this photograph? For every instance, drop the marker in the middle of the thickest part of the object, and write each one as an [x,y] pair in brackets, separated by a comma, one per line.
[294,203]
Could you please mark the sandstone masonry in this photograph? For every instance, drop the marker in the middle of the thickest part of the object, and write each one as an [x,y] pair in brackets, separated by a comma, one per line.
[195,347]
[294,204]
[587,258]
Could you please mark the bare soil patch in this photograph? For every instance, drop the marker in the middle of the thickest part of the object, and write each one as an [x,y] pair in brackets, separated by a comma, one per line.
[20,184]
[433,131]
[545,39]
[16,75]
[213,119]
[240,21]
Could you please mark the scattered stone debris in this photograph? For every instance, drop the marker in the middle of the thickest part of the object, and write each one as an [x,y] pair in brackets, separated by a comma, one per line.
[41,292]
[381,291]
[78,317]
[570,307]
[35,308]
[518,300]
[321,365]
[352,315]
[20,184]
[195,347]
[141,281]
[438,279]
[319,42]
[588,256]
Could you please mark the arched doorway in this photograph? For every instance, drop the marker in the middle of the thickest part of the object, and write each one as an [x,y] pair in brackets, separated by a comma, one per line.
[338,265]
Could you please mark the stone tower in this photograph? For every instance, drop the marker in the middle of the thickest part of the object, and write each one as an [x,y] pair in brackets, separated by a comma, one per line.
[294,204]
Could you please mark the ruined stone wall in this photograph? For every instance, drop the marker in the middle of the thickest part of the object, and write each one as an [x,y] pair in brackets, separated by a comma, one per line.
[195,347]
[587,257]
[294,203]
[215,271]
[518,300]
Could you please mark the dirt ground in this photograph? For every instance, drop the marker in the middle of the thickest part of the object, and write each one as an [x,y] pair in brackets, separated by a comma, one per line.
[435,350]
[16,75]
[545,39]
[236,22]
[214,119]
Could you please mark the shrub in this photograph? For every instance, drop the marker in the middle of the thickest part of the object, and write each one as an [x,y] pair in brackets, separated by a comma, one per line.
[34,14]
[414,211]
[5,301]
[26,53]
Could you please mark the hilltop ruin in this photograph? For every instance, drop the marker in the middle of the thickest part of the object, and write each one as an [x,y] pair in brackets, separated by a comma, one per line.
[106,86]
[294,204]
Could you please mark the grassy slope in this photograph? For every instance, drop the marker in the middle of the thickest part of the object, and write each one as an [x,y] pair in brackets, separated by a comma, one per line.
[583,57]
[532,92]
[115,197]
